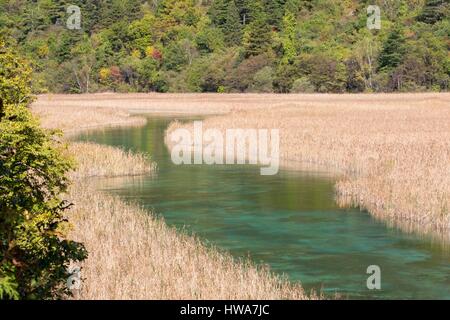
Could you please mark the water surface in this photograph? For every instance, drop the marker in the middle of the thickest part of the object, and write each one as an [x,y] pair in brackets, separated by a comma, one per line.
[289,222]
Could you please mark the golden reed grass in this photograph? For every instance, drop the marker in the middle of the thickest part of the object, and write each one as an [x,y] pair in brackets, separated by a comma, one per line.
[95,160]
[75,119]
[203,104]
[132,254]
[394,153]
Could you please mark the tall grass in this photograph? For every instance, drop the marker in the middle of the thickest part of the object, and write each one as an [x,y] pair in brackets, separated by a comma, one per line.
[133,254]
[204,104]
[392,151]
[393,156]
[95,160]
[75,119]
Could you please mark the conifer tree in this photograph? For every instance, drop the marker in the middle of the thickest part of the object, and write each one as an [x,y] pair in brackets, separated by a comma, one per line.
[244,8]
[258,34]
[275,12]
[434,11]
[393,50]
[232,28]
[218,12]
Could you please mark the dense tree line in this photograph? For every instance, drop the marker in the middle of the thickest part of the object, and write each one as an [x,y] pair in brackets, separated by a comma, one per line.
[232,45]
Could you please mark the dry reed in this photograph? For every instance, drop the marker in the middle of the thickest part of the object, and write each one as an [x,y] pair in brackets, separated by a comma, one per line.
[393,150]
[95,160]
[132,254]
[394,155]
[75,119]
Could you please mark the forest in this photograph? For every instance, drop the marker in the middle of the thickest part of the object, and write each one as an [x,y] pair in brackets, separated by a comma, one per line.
[261,46]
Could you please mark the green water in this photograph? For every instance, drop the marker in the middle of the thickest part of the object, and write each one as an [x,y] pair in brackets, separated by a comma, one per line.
[289,222]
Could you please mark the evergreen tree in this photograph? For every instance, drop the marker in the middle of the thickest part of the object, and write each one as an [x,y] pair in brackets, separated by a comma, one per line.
[244,8]
[91,15]
[232,27]
[292,6]
[258,34]
[393,50]
[275,12]
[218,12]
[119,10]
[433,11]
[225,15]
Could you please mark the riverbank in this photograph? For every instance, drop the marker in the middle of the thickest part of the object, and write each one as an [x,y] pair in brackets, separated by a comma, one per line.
[391,150]
[392,156]
[78,118]
[132,254]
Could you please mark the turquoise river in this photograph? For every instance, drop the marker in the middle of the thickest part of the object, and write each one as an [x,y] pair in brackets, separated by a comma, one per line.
[289,222]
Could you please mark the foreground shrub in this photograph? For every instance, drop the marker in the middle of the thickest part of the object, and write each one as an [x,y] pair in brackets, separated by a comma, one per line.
[34,255]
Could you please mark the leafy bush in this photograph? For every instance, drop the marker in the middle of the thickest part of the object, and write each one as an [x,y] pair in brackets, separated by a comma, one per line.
[262,81]
[34,253]
[302,85]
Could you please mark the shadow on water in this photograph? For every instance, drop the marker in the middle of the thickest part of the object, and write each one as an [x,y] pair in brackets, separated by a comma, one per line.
[289,221]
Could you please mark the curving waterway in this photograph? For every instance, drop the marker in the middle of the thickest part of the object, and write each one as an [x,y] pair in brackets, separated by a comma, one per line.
[289,222]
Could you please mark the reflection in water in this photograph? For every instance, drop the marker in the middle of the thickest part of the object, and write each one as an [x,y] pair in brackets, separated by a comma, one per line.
[289,221]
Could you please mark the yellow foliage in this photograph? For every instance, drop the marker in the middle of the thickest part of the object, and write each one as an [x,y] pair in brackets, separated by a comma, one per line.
[136,53]
[149,51]
[104,74]
[43,51]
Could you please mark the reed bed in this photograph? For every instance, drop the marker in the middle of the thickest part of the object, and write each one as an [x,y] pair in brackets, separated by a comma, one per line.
[75,119]
[393,156]
[95,160]
[207,104]
[133,255]
[392,152]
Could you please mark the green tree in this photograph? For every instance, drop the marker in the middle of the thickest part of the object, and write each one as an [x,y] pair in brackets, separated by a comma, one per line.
[326,72]
[34,253]
[434,11]
[225,15]
[294,5]
[393,50]
[288,38]
[218,12]
[258,34]
[275,11]
[113,11]
[208,38]
[232,28]
[262,81]
[244,8]
[149,77]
